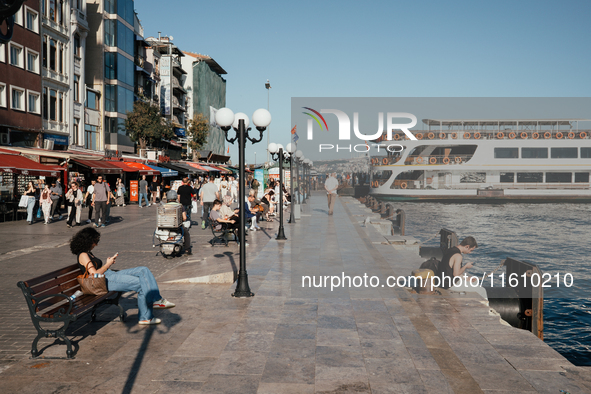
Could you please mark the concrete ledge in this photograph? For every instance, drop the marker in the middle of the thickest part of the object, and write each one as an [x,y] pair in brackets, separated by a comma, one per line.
[224,277]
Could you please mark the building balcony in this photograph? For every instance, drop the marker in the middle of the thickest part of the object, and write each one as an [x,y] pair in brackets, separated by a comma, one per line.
[54,26]
[52,126]
[79,17]
[57,77]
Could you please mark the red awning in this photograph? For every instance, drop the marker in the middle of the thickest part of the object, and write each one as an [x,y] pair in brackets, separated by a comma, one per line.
[123,166]
[197,166]
[99,166]
[142,169]
[17,164]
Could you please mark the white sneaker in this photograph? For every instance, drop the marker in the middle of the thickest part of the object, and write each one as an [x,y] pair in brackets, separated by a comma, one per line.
[88,221]
[149,204]
[163,304]
[123,204]
[154,320]
[253,229]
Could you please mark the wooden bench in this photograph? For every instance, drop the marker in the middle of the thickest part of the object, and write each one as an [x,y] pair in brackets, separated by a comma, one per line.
[48,298]
[220,236]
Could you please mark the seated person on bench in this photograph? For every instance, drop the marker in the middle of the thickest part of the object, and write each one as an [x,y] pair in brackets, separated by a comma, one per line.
[138,279]
[229,223]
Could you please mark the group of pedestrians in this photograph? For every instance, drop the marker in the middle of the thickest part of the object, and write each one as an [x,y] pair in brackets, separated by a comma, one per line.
[43,199]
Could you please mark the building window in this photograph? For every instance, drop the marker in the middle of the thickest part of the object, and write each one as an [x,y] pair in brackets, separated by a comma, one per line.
[581,177]
[33,102]
[61,59]
[110,33]
[52,55]
[61,108]
[125,10]
[52,11]
[507,177]
[585,153]
[45,105]
[563,153]
[44,51]
[110,98]
[32,61]
[75,131]
[76,88]
[52,104]
[16,55]
[125,98]
[18,17]
[506,153]
[90,137]
[92,100]
[125,38]
[530,177]
[17,96]
[110,6]
[77,45]
[2,95]
[32,22]
[110,66]
[534,153]
[2,53]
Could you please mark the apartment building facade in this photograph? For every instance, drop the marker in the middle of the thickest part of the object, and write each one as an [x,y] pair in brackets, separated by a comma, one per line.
[21,101]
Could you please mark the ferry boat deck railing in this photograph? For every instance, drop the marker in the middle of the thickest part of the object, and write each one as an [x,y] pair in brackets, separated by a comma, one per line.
[431,183]
[495,134]
[436,159]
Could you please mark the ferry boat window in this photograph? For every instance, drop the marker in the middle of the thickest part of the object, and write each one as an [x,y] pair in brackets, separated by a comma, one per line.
[530,177]
[559,177]
[381,176]
[507,177]
[581,177]
[473,177]
[563,153]
[534,153]
[506,153]
[585,153]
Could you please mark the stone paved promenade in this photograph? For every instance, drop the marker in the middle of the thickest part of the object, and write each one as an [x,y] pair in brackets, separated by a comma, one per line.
[286,339]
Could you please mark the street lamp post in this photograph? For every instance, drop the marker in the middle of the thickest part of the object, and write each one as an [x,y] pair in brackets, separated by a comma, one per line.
[299,156]
[261,119]
[268,87]
[277,153]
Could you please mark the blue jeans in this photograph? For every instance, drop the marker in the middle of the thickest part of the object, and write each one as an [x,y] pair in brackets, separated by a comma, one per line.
[145,196]
[30,206]
[140,280]
[188,209]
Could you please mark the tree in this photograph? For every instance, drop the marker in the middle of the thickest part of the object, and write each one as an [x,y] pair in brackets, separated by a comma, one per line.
[146,126]
[197,133]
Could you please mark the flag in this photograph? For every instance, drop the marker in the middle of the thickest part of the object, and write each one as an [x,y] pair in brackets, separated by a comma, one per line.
[295,137]
[228,149]
[293,131]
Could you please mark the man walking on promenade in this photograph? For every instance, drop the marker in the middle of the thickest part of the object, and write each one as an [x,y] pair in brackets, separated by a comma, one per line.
[209,193]
[144,191]
[100,200]
[331,185]
[56,195]
[184,196]
[88,198]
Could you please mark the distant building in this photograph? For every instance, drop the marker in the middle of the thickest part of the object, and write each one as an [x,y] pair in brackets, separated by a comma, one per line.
[77,63]
[170,89]
[57,73]
[111,73]
[21,102]
[207,92]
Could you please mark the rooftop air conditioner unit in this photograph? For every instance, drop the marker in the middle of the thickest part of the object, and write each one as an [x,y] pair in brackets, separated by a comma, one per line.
[48,144]
[4,139]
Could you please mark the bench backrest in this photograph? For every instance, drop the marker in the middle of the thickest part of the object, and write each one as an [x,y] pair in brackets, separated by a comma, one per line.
[60,281]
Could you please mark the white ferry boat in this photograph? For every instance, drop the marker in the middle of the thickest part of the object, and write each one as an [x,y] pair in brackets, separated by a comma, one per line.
[485,161]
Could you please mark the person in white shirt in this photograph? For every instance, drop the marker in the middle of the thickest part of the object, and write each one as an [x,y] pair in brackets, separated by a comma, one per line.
[331,185]
[234,189]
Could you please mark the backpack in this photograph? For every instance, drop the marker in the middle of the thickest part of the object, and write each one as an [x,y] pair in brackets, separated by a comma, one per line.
[431,264]
[255,184]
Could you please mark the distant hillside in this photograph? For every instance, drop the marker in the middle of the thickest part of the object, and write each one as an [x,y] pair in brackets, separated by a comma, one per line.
[342,166]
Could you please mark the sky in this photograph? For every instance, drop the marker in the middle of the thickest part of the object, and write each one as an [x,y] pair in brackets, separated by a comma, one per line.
[379,49]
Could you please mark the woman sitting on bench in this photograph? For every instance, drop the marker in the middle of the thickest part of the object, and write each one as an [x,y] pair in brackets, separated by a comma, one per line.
[138,279]
[220,221]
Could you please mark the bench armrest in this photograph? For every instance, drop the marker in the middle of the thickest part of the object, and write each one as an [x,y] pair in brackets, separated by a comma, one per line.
[37,301]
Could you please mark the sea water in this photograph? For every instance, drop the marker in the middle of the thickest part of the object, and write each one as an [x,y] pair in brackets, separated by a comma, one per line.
[556,237]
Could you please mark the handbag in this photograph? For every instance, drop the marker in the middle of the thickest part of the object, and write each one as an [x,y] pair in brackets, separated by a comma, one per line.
[92,286]
[23,202]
